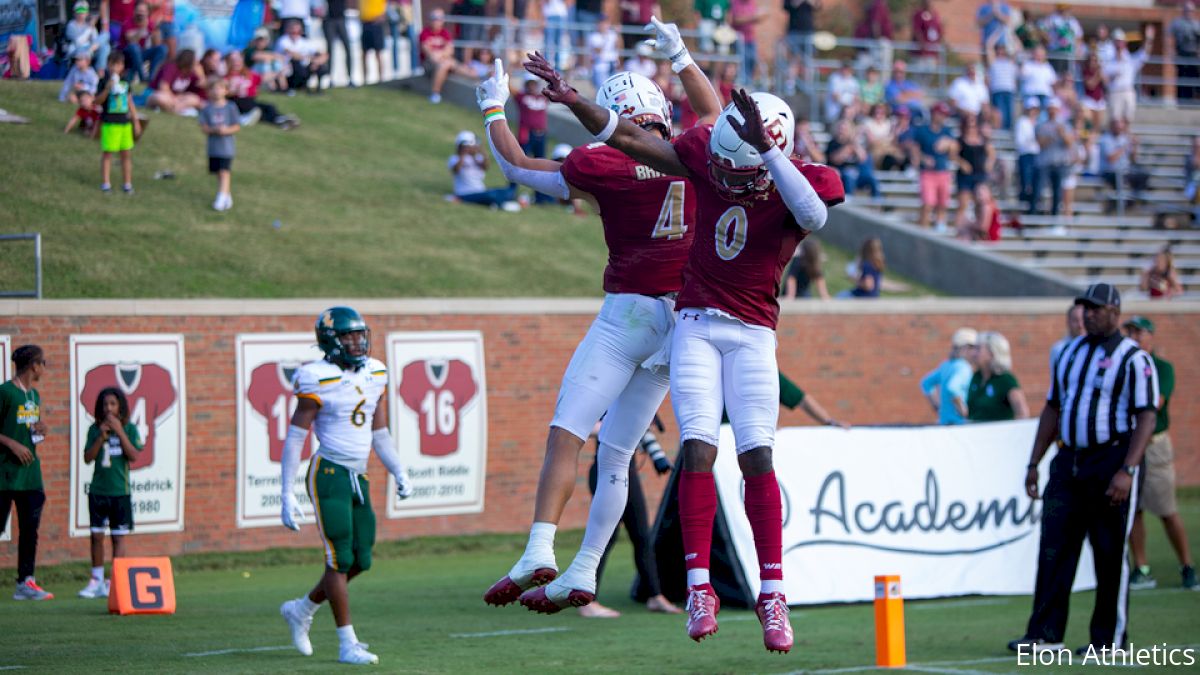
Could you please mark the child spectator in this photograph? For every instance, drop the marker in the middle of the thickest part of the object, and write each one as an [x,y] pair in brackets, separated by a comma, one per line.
[80,79]
[86,117]
[871,89]
[83,39]
[119,125]
[112,443]
[219,119]
[531,132]
[870,271]
[212,66]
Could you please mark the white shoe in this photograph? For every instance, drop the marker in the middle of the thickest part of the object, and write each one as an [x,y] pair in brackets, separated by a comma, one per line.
[511,207]
[107,586]
[435,98]
[357,654]
[218,204]
[299,622]
[228,201]
[251,117]
[95,589]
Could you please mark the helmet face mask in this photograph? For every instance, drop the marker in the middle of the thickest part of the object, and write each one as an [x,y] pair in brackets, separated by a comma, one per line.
[344,337]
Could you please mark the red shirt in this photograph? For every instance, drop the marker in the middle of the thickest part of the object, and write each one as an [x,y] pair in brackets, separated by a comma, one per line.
[741,246]
[532,109]
[927,31]
[88,117]
[178,81]
[243,84]
[648,218]
[130,29]
[433,39]
[120,12]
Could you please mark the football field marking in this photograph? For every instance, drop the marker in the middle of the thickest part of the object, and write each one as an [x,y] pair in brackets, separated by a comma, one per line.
[244,650]
[951,604]
[11,667]
[498,633]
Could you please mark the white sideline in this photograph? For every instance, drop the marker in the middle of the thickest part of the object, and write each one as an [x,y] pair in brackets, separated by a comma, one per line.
[11,667]
[219,652]
[498,633]
[943,604]
[932,667]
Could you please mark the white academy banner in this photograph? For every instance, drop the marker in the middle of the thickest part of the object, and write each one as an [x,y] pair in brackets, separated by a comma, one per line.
[148,369]
[943,507]
[265,403]
[438,396]
[5,373]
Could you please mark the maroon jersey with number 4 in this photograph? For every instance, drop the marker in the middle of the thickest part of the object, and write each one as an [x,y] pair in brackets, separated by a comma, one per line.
[648,218]
[742,244]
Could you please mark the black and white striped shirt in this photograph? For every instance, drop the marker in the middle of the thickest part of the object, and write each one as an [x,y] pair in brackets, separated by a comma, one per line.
[1099,385]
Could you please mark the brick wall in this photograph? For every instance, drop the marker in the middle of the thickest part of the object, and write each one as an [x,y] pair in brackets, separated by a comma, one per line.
[861,360]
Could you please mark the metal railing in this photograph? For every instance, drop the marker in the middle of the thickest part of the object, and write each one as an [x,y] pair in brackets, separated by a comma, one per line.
[35,292]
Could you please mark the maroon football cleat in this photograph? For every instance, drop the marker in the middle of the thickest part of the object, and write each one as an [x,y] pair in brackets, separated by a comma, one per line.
[702,607]
[772,613]
[507,590]
[540,601]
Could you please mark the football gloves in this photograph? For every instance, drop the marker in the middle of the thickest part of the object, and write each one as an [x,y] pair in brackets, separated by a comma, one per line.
[291,511]
[404,488]
[493,91]
[668,44]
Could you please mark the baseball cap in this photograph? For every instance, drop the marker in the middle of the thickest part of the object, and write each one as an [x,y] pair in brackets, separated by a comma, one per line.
[1101,295]
[964,337]
[465,138]
[1141,323]
[1033,102]
[940,108]
[262,32]
[81,7]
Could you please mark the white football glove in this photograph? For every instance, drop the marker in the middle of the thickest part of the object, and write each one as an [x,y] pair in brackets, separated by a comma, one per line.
[494,90]
[404,487]
[291,512]
[669,45]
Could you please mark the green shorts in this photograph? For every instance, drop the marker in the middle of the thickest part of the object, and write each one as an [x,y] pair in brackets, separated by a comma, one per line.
[345,519]
[116,137]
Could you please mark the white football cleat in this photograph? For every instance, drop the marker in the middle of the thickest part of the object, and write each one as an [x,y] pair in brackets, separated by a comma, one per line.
[357,654]
[299,622]
[94,589]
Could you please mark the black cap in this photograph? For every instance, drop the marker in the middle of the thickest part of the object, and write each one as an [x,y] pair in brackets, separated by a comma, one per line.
[1099,294]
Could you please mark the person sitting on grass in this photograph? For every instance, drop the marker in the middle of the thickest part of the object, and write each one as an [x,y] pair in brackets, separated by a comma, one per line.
[870,271]
[271,65]
[305,58]
[469,166]
[243,86]
[178,87]
[220,121]
[119,125]
[82,78]
[86,116]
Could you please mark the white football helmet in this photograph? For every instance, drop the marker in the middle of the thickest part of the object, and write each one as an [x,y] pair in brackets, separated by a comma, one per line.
[735,166]
[636,98]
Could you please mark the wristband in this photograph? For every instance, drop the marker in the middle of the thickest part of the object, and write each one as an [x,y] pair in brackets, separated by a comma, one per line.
[609,129]
[492,114]
[681,60]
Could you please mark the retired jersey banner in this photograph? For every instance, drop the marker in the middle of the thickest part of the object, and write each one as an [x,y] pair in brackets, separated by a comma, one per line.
[438,398]
[148,369]
[943,507]
[5,374]
[265,403]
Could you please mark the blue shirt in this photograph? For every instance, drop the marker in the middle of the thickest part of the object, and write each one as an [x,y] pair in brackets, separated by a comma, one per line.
[952,379]
[997,21]
[893,90]
[927,139]
[866,269]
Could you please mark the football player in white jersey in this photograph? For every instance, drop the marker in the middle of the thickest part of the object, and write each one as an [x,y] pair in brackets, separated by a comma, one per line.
[340,397]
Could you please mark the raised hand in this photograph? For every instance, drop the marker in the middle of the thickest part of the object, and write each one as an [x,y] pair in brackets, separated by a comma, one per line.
[752,130]
[556,89]
[669,44]
[493,91]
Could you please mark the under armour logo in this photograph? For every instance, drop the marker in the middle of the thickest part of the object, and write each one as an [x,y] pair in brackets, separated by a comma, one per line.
[613,479]
[690,556]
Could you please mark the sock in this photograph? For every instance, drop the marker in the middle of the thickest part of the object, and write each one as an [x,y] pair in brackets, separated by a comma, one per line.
[698,577]
[771,586]
[346,635]
[1144,569]
[541,541]
[98,573]
[764,509]
[308,606]
[697,509]
[608,505]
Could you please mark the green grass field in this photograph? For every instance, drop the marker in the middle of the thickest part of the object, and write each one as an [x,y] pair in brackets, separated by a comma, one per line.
[420,610]
[357,190]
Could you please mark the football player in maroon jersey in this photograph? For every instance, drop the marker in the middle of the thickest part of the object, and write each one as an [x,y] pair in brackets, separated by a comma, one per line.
[755,202]
[648,220]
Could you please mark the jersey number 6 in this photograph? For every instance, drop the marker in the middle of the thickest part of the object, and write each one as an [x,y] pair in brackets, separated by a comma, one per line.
[358,416]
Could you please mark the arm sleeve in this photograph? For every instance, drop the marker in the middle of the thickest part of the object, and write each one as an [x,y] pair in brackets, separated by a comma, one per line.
[381,443]
[290,462]
[798,194]
[789,394]
[546,182]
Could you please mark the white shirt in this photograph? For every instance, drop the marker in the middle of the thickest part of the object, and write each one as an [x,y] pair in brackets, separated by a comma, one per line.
[1025,136]
[843,89]
[298,45]
[968,94]
[603,46]
[1123,70]
[294,8]
[554,8]
[644,67]
[468,180]
[1037,79]
[347,399]
[1002,75]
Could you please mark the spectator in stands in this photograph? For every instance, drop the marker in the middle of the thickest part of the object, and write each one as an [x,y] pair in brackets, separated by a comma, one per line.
[1056,141]
[265,61]
[927,31]
[1191,173]
[81,79]
[1161,279]
[724,81]
[642,61]
[744,16]
[1027,34]
[879,131]
[870,89]
[1002,85]
[903,92]
[1104,47]
[1185,29]
[848,154]
[634,15]
[142,44]
[1118,159]
[470,32]
[946,386]
[83,39]
[179,86]
[1095,90]
[86,115]
[709,15]
[876,23]
[976,158]
[800,28]
[1064,37]
[871,265]
[305,58]
[468,164]
[993,19]
[806,273]
[602,45]
[437,52]
[1122,73]
[373,16]
[806,146]
[931,146]
[554,19]
[1028,149]
[482,64]
[1038,77]
[969,93]
[842,93]
[994,395]
[588,13]
[242,90]
[1079,159]
[333,25]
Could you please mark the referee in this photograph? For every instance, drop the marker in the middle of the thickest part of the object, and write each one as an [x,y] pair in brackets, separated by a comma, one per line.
[1101,408]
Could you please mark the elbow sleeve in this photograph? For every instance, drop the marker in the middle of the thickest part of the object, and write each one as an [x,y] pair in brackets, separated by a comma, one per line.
[546,182]
[801,199]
